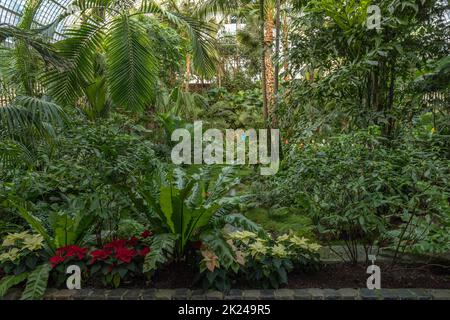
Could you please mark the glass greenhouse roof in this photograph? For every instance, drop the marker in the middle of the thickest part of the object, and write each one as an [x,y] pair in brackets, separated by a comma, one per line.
[49,10]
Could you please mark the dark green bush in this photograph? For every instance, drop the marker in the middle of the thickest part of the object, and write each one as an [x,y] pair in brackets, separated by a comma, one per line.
[363,189]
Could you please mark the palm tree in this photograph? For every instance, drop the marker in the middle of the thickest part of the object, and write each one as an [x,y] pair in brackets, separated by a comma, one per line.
[286,46]
[26,123]
[26,62]
[267,21]
[185,8]
[112,28]
[269,10]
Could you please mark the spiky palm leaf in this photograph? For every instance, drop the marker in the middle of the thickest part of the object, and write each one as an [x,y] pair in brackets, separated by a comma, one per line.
[201,35]
[131,64]
[29,116]
[35,40]
[13,152]
[79,49]
[24,124]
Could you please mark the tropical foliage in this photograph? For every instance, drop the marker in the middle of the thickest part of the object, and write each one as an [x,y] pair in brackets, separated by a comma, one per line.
[89,103]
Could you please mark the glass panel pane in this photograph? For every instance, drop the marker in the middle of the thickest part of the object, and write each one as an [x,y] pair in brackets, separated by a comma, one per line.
[48,12]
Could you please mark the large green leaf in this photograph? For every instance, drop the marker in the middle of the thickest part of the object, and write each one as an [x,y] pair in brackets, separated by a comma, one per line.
[63,229]
[37,283]
[162,247]
[165,203]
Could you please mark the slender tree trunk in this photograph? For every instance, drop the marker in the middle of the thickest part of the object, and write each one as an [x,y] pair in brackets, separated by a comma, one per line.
[390,102]
[219,75]
[286,48]
[187,74]
[277,65]
[263,60]
[268,64]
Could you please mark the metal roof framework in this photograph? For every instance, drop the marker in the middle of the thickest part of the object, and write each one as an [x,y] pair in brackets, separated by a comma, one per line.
[49,10]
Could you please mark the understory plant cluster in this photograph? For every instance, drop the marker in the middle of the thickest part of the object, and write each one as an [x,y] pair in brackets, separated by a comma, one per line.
[362,190]
[259,259]
[106,202]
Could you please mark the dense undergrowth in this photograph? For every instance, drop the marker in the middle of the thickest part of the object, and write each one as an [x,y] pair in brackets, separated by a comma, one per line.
[86,176]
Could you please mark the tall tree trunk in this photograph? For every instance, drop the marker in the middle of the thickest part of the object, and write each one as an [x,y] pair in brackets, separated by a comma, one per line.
[268,64]
[286,48]
[263,61]
[277,64]
[187,74]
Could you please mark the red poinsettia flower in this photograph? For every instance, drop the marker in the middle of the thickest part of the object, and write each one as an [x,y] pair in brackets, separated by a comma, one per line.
[71,251]
[133,241]
[78,251]
[125,254]
[146,234]
[144,251]
[116,244]
[99,255]
[55,260]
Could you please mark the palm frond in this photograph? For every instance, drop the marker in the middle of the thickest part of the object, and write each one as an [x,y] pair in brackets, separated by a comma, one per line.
[35,40]
[14,153]
[201,36]
[131,64]
[79,49]
[29,116]
[92,4]
[43,110]
[214,7]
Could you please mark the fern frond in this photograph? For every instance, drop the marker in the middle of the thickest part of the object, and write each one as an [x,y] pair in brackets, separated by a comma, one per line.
[162,248]
[37,283]
[79,49]
[10,281]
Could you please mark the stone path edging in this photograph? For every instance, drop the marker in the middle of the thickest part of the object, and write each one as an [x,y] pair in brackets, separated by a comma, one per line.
[280,294]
